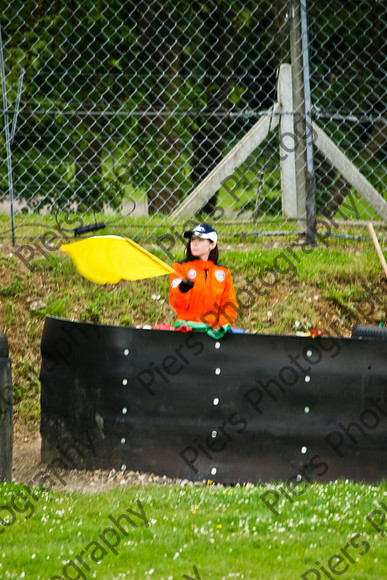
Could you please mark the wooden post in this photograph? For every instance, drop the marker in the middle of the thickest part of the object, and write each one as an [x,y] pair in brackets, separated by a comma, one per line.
[377,247]
[348,170]
[287,143]
[224,170]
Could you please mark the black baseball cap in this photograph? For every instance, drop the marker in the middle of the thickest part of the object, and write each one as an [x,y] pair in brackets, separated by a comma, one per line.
[203,231]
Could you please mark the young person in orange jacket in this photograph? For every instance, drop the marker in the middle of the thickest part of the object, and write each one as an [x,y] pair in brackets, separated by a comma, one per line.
[202,291]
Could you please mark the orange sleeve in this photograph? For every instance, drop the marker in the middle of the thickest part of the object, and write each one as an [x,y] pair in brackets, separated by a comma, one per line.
[178,300]
[228,305]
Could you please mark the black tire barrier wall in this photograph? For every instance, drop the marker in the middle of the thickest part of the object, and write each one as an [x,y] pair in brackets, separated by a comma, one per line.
[6,412]
[248,408]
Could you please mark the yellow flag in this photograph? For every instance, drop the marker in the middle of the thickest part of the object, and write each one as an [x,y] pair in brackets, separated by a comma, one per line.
[108,259]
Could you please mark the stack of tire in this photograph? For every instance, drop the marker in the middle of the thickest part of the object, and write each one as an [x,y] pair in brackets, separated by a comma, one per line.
[374,332]
[6,412]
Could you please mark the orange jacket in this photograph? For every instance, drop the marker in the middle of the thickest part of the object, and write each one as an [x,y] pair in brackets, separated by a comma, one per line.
[211,300]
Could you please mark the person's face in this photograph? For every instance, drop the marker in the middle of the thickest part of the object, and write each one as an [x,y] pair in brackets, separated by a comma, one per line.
[201,248]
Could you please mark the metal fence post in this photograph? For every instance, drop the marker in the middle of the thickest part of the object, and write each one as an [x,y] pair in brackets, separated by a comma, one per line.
[308,132]
[7,138]
[298,111]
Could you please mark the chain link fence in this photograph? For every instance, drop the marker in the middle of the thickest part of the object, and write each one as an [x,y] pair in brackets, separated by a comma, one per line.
[260,117]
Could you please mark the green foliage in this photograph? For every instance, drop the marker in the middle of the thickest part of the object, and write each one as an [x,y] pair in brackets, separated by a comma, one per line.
[152,63]
[56,307]
[10,313]
[26,389]
[14,287]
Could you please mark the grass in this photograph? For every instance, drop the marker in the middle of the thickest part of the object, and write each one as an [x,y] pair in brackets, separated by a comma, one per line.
[225,532]
[33,227]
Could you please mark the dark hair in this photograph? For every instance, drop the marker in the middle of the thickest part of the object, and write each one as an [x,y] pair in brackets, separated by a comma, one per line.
[214,254]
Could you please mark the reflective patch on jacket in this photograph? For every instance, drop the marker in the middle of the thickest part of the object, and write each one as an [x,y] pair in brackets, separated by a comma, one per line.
[220,275]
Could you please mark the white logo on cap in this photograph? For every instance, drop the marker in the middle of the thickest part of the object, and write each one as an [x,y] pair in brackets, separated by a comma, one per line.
[220,275]
[192,274]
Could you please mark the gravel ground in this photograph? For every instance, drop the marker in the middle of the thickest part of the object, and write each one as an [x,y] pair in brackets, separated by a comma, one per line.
[27,468]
